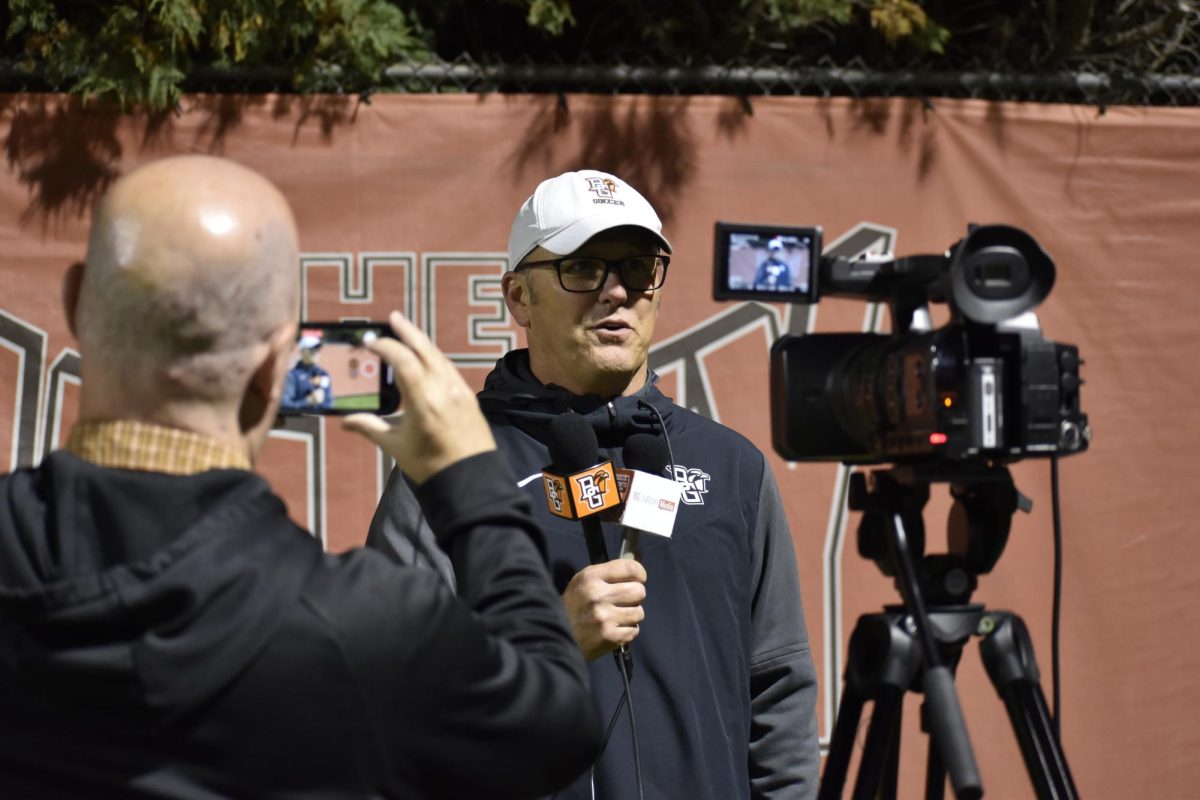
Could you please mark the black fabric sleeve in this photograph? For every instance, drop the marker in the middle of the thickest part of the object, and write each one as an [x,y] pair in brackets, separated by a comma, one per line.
[784,751]
[399,530]
[486,693]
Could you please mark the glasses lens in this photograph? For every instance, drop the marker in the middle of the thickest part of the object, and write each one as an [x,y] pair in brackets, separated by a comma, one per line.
[582,274]
[643,272]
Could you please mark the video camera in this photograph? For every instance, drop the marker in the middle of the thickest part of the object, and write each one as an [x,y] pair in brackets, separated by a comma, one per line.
[986,386]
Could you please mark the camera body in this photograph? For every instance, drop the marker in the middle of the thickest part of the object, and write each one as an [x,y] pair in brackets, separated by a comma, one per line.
[986,386]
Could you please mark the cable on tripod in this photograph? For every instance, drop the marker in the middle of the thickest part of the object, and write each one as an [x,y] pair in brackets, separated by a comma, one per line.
[1056,611]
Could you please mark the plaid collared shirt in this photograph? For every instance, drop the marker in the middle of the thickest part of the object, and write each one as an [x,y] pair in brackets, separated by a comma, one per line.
[127,444]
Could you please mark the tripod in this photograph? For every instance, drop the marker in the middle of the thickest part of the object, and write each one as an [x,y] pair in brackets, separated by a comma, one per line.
[912,645]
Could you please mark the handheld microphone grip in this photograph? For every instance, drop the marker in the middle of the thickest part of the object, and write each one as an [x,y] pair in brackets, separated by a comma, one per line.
[589,486]
[593,534]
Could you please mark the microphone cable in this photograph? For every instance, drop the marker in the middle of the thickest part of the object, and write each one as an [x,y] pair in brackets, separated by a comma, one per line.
[626,699]
[612,723]
[662,423]
[637,750]
[1056,610]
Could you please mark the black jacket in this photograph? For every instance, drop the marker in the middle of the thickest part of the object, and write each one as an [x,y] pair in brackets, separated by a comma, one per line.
[724,686]
[167,636]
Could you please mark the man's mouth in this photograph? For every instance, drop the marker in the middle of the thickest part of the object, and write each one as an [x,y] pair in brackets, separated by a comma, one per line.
[611,325]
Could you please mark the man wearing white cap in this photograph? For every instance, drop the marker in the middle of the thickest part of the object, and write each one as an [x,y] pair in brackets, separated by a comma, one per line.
[724,688]
[308,384]
[774,274]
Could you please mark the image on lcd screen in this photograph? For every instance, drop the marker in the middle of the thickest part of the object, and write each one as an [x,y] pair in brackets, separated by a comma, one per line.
[332,370]
[761,262]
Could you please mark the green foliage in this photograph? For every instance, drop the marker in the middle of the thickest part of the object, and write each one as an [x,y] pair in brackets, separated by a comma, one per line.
[146,52]
[140,52]
[905,20]
[551,16]
[684,31]
[784,16]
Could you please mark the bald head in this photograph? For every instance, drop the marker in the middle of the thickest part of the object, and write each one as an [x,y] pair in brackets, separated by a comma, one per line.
[191,265]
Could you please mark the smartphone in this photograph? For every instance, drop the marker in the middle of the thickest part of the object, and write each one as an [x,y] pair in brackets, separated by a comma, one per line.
[333,372]
[766,262]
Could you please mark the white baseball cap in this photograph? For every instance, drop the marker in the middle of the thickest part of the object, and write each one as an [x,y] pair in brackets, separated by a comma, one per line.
[564,212]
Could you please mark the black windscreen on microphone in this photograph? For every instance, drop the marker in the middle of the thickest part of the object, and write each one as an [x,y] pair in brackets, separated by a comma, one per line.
[573,446]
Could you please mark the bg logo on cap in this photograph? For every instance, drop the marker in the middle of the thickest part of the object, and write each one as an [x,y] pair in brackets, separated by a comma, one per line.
[603,187]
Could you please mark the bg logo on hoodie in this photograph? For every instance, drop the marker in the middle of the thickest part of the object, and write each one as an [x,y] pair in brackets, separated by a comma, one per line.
[694,482]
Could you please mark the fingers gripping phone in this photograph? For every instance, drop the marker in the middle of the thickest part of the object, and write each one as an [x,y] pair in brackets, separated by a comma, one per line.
[333,372]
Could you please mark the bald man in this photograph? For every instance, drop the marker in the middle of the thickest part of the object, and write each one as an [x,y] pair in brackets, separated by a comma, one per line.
[166,631]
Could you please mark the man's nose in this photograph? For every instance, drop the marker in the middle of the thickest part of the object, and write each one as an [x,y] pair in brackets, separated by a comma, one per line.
[613,289]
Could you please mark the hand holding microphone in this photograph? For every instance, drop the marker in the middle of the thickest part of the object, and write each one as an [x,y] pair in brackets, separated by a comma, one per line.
[604,605]
[603,601]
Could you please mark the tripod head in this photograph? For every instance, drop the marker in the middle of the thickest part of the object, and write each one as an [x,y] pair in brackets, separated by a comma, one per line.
[985,499]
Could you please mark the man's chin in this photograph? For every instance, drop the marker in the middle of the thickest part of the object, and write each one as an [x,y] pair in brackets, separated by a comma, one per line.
[613,360]
[613,372]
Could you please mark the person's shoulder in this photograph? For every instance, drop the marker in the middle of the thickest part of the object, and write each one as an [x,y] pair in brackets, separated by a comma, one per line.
[690,422]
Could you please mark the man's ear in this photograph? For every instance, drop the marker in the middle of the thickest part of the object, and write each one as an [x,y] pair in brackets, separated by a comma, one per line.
[263,391]
[72,283]
[517,297]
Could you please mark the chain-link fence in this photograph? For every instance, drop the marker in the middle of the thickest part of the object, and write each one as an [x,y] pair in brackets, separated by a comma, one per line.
[1085,83]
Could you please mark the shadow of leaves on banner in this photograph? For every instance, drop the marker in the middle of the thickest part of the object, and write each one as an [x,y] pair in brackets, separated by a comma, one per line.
[646,141]
[67,152]
[915,120]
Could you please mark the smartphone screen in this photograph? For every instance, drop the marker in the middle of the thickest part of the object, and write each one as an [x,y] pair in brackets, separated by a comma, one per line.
[762,262]
[332,371]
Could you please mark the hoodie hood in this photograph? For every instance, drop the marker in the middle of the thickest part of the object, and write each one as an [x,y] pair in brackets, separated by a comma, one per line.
[511,391]
[150,591]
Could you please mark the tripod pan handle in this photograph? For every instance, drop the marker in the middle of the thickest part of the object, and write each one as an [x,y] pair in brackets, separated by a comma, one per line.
[949,730]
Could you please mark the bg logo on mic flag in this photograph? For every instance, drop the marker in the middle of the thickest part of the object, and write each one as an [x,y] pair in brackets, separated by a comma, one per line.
[583,493]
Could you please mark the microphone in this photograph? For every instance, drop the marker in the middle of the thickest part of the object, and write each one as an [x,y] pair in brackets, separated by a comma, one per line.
[577,487]
[578,484]
[651,501]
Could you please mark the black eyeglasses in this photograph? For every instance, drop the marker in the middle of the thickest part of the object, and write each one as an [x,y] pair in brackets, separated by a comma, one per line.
[588,273]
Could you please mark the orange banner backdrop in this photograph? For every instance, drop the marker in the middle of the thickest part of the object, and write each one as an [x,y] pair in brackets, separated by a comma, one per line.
[405,202]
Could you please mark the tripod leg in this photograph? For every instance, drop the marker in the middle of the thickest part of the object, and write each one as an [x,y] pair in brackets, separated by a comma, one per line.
[1008,655]
[880,758]
[882,662]
[841,744]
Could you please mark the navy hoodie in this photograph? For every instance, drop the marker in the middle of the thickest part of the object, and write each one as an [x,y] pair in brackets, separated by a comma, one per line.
[178,636]
[724,687]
